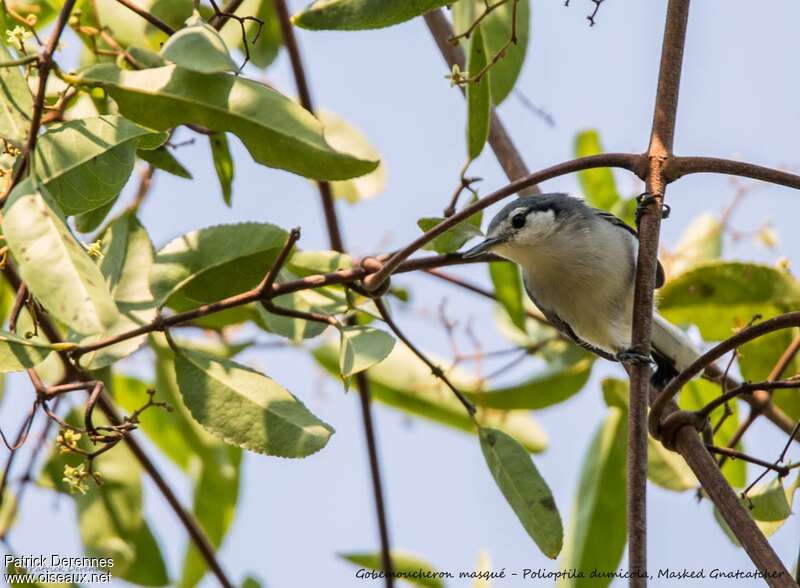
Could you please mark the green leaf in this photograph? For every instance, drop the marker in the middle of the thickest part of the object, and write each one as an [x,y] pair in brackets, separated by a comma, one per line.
[163,159]
[269,42]
[722,296]
[596,534]
[361,348]
[767,501]
[355,15]
[223,164]
[701,241]
[496,33]
[508,290]
[211,263]
[277,132]
[17,353]
[198,47]
[598,185]
[697,394]
[85,163]
[127,257]
[53,264]
[453,238]
[558,382]
[479,102]
[17,102]
[89,221]
[403,381]
[406,565]
[524,488]
[343,137]
[246,408]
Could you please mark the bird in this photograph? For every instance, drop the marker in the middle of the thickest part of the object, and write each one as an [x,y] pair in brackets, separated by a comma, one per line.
[578,267]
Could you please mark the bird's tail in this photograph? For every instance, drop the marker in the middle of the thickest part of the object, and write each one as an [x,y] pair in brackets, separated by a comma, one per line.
[673,350]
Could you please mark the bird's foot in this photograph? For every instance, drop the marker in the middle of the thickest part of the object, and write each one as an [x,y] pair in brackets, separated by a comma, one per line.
[644,200]
[634,356]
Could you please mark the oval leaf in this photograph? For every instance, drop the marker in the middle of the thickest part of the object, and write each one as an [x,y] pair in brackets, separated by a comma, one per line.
[85,163]
[524,488]
[17,102]
[598,185]
[17,353]
[127,257]
[354,15]
[277,132]
[596,535]
[347,139]
[198,47]
[722,296]
[246,408]
[508,290]
[54,265]
[362,348]
[228,258]
[479,102]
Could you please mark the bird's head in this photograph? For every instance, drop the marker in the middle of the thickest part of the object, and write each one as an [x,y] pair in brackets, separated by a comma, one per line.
[526,223]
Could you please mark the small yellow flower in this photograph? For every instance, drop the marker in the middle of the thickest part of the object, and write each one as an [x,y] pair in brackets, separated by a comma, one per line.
[67,440]
[95,250]
[17,36]
[75,478]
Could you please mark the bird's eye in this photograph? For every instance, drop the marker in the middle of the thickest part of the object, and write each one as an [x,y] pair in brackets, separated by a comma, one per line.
[518,220]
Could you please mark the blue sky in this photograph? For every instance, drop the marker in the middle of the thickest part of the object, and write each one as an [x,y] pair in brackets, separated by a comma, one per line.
[738,99]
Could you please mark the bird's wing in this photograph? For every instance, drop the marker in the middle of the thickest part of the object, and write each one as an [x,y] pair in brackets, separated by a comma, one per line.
[615,220]
[562,326]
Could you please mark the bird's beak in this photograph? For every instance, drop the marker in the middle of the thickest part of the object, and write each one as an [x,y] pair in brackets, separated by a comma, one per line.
[484,246]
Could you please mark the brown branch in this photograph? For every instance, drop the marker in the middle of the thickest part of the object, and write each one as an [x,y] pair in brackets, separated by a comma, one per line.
[337,244]
[268,281]
[225,13]
[681,166]
[784,321]
[507,154]
[45,65]
[149,17]
[733,454]
[620,160]
[658,153]
[748,388]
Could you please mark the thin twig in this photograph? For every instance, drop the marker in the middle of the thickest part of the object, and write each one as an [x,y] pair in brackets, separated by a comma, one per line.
[732,453]
[435,369]
[148,16]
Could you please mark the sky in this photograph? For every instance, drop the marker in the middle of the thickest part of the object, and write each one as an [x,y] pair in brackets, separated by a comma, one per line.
[738,99]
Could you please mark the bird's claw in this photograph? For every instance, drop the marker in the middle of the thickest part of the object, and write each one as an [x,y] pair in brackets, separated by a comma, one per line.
[633,356]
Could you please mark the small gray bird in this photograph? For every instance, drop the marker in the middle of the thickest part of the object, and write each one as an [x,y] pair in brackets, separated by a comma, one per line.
[578,265]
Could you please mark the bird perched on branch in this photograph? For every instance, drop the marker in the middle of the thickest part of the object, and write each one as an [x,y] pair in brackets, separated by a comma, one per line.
[578,265]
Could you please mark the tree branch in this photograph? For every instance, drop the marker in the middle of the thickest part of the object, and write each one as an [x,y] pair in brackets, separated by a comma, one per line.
[45,65]
[658,153]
